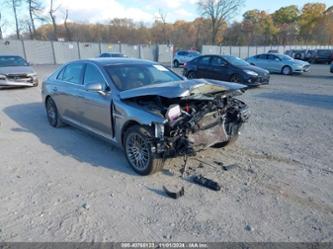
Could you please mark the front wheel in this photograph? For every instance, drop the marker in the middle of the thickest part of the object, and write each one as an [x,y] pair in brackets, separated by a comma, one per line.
[191,75]
[235,78]
[138,150]
[52,113]
[286,70]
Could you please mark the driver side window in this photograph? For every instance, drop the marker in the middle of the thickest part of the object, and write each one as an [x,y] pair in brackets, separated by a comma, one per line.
[93,75]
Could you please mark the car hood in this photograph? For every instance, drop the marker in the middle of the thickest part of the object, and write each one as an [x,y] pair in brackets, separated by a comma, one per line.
[16,70]
[182,88]
[258,70]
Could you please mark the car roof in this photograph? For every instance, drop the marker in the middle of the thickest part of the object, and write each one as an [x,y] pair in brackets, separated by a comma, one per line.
[116,60]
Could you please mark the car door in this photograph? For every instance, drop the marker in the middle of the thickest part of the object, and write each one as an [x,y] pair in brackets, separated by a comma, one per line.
[204,67]
[219,68]
[274,63]
[261,61]
[68,84]
[95,107]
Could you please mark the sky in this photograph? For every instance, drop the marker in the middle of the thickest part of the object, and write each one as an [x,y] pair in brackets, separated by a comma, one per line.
[146,11]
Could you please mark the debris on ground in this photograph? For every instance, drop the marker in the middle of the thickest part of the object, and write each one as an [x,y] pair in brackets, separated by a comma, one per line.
[174,194]
[249,228]
[86,206]
[208,183]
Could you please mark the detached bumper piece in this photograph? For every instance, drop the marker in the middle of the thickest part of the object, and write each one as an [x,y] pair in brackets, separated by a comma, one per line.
[208,183]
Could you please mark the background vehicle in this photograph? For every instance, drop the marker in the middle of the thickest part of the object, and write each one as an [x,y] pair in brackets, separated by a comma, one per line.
[272,51]
[299,54]
[182,56]
[108,54]
[226,68]
[321,56]
[16,72]
[279,63]
[143,107]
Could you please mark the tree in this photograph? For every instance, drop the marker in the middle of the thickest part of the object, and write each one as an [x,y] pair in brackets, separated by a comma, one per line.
[15,5]
[286,15]
[52,12]
[35,12]
[311,14]
[68,32]
[1,25]
[218,12]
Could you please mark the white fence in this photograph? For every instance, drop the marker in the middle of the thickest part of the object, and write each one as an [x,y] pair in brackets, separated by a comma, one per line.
[246,51]
[49,52]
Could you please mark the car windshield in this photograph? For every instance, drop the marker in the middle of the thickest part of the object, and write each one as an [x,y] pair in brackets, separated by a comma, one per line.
[12,61]
[284,57]
[235,60]
[132,76]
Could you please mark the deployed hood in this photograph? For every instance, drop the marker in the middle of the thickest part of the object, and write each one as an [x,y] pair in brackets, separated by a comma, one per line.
[16,70]
[182,88]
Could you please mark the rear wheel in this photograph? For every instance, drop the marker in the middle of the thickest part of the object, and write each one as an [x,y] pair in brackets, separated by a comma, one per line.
[52,113]
[176,63]
[235,78]
[286,70]
[138,150]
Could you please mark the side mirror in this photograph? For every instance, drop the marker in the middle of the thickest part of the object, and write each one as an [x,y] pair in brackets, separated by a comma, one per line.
[96,87]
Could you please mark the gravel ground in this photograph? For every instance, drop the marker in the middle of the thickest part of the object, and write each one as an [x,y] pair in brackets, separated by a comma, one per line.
[65,185]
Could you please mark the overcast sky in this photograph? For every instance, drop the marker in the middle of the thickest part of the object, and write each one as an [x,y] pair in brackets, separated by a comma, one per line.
[144,10]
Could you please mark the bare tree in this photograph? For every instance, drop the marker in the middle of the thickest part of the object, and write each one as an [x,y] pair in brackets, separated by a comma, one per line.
[1,24]
[162,18]
[35,12]
[52,12]
[68,32]
[14,5]
[218,12]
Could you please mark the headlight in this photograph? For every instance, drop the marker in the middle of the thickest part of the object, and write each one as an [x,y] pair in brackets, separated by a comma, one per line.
[249,72]
[159,130]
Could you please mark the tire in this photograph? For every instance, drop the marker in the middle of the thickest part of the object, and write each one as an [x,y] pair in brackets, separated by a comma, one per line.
[52,114]
[286,70]
[235,78]
[298,56]
[138,152]
[176,63]
[191,75]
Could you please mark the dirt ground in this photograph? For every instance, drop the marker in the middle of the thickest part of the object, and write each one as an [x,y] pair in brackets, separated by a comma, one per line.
[65,185]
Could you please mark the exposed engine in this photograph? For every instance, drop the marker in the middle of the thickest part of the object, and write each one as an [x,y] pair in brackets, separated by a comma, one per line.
[196,122]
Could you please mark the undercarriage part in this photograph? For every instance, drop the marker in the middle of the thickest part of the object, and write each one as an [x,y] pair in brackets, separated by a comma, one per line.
[208,183]
[174,195]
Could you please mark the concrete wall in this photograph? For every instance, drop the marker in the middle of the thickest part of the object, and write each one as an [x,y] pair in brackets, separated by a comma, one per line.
[47,52]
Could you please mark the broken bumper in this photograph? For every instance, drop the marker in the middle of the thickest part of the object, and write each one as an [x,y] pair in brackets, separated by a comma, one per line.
[13,84]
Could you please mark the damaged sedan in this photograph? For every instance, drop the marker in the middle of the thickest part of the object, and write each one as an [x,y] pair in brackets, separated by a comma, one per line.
[144,108]
[16,72]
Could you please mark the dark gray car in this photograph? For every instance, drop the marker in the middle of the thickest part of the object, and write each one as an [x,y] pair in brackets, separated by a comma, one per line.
[16,72]
[144,108]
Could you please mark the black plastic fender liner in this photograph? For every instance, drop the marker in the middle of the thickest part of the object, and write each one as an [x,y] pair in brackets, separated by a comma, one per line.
[208,183]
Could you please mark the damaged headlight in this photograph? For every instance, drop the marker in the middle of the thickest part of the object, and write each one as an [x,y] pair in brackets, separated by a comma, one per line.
[250,72]
[159,130]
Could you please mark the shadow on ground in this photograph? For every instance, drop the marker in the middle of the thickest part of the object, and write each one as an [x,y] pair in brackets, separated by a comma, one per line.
[67,141]
[312,100]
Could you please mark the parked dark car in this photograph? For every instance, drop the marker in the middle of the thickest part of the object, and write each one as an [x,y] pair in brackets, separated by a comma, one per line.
[322,56]
[226,68]
[16,72]
[143,107]
[109,54]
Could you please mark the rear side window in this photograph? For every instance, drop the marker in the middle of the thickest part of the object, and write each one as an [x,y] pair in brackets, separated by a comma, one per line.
[73,73]
[93,75]
[217,61]
[204,60]
[262,57]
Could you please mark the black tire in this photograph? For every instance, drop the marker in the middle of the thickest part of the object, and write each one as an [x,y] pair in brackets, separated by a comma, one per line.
[137,147]
[286,70]
[52,113]
[298,56]
[176,63]
[236,78]
[191,75]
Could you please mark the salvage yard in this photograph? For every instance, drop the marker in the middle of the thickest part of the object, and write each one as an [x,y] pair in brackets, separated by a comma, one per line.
[277,183]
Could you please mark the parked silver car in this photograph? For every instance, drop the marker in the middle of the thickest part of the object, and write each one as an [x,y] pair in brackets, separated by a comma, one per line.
[181,57]
[279,63]
[16,72]
[144,108]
